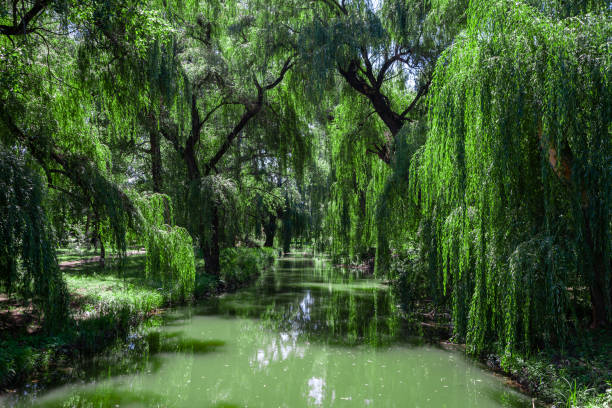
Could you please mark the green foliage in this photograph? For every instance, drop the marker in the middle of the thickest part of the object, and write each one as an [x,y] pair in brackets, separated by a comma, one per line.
[515,177]
[28,265]
[242,265]
[209,197]
[170,255]
[357,179]
[205,284]
[392,202]
[295,219]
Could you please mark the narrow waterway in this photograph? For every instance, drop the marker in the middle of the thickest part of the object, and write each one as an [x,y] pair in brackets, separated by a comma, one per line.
[305,334]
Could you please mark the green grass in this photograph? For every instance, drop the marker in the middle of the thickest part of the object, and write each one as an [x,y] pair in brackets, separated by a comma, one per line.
[102,293]
[66,254]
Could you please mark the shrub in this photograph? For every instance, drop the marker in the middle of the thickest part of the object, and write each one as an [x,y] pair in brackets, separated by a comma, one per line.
[242,265]
[170,258]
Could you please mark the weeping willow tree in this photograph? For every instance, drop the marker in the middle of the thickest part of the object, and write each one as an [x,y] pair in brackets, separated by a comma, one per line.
[28,266]
[356,177]
[381,56]
[514,183]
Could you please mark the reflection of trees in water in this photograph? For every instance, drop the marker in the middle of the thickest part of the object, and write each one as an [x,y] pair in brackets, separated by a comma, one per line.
[337,315]
[318,302]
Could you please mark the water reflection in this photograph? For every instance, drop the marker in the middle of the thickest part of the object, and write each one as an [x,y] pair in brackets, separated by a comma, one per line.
[305,335]
[320,302]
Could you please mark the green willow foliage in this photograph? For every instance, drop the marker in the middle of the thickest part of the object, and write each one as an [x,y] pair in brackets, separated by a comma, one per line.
[393,204]
[170,256]
[207,198]
[514,183]
[358,179]
[27,256]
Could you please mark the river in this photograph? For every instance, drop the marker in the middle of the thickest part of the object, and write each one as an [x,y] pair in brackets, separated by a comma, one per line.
[304,335]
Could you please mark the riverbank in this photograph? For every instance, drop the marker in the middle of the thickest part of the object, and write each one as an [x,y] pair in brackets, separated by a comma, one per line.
[107,305]
[576,375]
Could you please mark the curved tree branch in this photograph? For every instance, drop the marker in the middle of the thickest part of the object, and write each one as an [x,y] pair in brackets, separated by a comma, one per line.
[22,27]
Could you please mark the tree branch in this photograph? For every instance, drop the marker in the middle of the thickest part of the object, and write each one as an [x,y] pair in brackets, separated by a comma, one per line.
[22,27]
[416,99]
[286,67]
[209,114]
[252,109]
[398,56]
[368,72]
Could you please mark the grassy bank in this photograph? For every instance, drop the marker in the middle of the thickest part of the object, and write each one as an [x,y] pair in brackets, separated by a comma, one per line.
[106,305]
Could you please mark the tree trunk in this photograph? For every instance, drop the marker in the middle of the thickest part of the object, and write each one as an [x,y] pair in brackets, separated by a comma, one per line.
[270,231]
[156,161]
[599,303]
[102,253]
[87,231]
[211,249]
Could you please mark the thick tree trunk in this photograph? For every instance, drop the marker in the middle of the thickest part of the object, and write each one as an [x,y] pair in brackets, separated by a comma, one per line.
[156,161]
[211,249]
[270,231]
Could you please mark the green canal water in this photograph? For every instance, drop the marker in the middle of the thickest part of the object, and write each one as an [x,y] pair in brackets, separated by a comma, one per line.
[305,335]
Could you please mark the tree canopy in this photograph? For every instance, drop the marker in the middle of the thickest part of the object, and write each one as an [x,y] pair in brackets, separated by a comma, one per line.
[462,148]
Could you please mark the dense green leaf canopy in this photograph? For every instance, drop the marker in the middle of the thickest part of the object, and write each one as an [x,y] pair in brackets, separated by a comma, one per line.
[460,148]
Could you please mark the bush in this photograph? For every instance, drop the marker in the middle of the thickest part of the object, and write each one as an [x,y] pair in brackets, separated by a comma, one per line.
[242,265]
[170,259]
[205,284]
[410,280]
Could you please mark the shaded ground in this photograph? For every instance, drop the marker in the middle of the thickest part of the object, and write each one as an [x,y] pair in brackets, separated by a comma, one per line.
[17,317]
[71,263]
